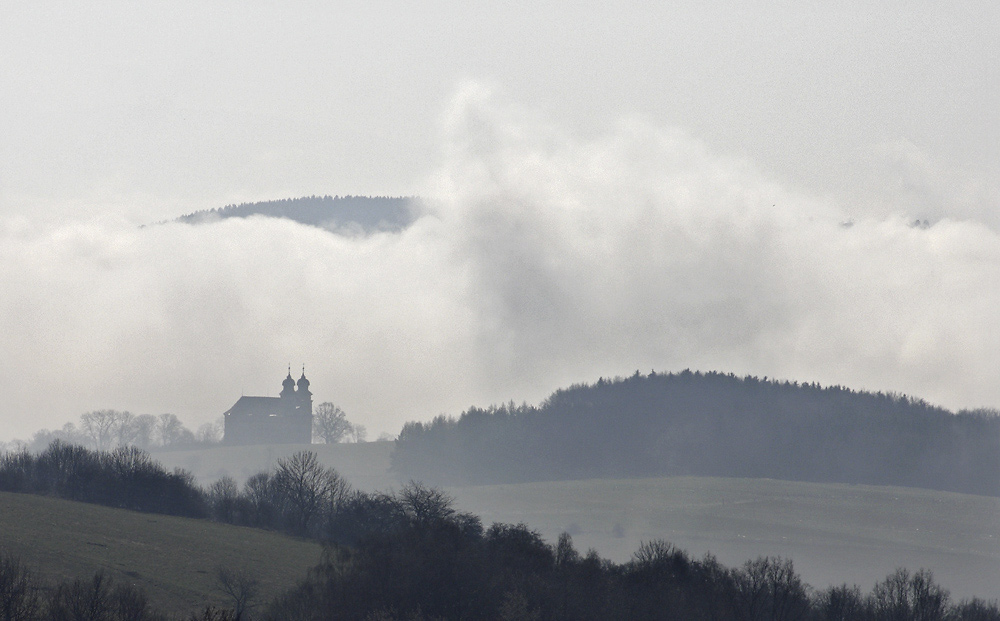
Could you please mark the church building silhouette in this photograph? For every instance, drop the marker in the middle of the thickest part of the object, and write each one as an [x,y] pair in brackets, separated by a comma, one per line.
[285,419]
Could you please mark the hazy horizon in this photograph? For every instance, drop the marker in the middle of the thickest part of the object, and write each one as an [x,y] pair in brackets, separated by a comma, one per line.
[712,186]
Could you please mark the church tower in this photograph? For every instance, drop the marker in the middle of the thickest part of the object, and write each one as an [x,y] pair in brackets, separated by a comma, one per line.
[288,386]
[303,395]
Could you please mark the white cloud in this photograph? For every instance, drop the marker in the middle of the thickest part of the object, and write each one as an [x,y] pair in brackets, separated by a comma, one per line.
[544,259]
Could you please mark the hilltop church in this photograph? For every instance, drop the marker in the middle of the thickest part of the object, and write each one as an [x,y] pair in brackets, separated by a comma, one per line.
[285,419]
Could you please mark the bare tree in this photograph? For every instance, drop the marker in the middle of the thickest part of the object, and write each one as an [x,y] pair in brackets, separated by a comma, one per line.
[98,599]
[903,595]
[260,496]
[308,489]
[330,423]
[106,429]
[123,428]
[359,433]
[841,603]
[241,587]
[976,610]
[769,588]
[18,590]
[145,430]
[99,427]
[68,434]
[425,505]
[82,600]
[224,498]
[209,433]
[170,431]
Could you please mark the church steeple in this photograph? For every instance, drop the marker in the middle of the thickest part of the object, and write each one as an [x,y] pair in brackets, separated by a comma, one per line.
[288,386]
[303,383]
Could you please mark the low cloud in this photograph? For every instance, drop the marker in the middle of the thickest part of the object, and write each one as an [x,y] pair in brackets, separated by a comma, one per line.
[542,259]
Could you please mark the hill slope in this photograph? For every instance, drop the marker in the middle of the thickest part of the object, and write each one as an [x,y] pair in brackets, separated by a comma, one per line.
[174,559]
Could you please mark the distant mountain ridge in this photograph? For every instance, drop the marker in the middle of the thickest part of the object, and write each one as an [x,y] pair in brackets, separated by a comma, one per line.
[348,214]
[710,424]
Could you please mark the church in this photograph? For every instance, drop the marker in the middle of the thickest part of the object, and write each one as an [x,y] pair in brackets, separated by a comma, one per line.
[285,419]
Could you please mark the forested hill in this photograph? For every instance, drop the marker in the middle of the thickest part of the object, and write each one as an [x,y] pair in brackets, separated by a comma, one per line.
[710,424]
[361,214]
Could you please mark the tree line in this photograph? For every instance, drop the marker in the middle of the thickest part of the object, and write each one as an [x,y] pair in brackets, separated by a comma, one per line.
[25,597]
[441,566]
[298,496]
[125,477]
[710,424]
[108,429]
[410,554]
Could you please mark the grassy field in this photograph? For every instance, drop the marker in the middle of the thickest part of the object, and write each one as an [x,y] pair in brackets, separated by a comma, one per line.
[834,533]
[173,559]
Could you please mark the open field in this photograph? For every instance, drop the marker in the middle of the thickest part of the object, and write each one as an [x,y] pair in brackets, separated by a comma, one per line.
[174,559]
[833,532]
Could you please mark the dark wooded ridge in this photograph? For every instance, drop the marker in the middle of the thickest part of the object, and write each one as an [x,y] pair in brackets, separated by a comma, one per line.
[710,424]
[364,214]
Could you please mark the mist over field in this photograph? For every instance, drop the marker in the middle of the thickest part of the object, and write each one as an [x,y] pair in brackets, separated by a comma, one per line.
[540,258]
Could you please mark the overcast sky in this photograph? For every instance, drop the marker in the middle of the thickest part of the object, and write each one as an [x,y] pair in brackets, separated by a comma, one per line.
[610,187]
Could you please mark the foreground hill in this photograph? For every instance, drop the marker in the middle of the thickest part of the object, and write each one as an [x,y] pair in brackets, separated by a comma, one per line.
[173,559]
[710,424]
[352,214]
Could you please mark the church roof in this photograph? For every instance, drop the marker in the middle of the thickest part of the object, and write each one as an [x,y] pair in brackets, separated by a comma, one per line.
[256,405]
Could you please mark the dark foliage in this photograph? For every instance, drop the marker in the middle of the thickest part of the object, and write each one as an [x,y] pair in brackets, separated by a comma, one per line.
[298,497]
[125,478]
[710,424]
[19,597]
[410,555]
[24,598]
[99,599]
[361,214]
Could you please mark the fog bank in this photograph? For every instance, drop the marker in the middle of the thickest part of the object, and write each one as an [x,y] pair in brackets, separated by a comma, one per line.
[543,258]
